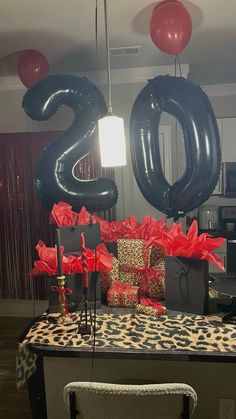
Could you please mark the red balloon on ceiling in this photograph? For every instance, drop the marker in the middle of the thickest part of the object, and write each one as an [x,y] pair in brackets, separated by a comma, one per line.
[170,26]
[31,67]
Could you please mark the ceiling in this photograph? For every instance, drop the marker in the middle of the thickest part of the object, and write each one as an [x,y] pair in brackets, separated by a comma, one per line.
[64,31]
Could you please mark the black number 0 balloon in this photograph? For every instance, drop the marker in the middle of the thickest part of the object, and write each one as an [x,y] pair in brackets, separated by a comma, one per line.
[54,177]
[190,105]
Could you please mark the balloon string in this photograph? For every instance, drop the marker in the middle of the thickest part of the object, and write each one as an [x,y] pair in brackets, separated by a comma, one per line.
[180,71]
[177,61]
[96,37]
[176,126]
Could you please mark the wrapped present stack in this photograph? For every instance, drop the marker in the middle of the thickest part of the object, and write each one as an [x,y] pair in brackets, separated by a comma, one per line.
[142,266]
[136,263]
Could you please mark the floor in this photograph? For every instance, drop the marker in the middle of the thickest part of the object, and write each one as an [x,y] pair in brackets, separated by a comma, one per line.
[13,403]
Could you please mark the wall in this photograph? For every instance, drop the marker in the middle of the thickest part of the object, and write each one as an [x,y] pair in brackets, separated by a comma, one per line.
[211,381]
[14,119]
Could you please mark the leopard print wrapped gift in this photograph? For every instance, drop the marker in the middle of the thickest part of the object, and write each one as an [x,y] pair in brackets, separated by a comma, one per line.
[131,259]
[122,295]
[142,267]
[156,287]
[108,278]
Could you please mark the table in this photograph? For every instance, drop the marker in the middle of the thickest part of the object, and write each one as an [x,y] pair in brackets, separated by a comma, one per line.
[124,335]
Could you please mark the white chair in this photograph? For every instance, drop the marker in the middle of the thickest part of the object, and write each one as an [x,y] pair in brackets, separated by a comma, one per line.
[89,400]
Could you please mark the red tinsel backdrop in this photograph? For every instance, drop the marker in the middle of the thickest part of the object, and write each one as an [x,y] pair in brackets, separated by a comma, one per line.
[23,221]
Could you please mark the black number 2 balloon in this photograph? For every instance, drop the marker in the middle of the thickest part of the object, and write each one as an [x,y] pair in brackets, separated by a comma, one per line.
[54,179]
[190,105]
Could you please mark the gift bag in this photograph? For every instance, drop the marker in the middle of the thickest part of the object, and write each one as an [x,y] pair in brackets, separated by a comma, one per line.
[187,286]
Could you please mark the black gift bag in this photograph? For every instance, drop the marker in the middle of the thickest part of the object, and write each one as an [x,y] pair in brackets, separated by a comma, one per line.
[112,248]
[70,239]
[187,285]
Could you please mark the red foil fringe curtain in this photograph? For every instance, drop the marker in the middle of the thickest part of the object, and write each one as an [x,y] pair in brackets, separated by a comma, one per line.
[23,221]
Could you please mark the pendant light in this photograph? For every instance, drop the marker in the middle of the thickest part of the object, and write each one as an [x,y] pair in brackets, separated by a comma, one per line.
[110,127]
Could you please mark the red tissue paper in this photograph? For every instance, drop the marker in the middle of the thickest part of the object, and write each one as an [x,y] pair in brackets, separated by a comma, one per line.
[62,215]
[191,245]
[70,264]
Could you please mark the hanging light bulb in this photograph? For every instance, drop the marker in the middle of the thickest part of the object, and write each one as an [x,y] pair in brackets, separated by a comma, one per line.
[112,141]
[111,128]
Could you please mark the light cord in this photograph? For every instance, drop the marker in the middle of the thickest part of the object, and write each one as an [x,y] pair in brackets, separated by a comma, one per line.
[108,58]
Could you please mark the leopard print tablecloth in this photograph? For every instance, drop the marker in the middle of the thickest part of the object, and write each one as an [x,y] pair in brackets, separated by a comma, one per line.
[132,331]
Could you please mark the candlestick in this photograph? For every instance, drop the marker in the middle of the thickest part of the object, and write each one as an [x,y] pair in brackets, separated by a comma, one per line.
[61,277]
[59,255]
[84,261]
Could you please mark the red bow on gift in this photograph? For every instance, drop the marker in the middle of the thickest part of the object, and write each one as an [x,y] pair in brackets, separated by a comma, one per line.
[121,287]
[122,290]
[160,309]
[146,273]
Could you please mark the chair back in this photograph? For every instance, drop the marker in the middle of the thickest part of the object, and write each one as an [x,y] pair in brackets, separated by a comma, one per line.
[89,400]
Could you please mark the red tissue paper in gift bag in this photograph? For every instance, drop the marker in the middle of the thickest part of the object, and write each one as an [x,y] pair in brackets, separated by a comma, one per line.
[62,215]
[191,245]
[70,264]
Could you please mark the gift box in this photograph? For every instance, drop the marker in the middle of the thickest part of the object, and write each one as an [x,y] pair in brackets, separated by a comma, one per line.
[108,278]
[150,307]
[142,266]
[132,261]
[122,295]
[74,292]
[156,283]
[187,285]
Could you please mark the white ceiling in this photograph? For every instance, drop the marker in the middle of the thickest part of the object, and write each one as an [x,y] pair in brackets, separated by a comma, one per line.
[64,31]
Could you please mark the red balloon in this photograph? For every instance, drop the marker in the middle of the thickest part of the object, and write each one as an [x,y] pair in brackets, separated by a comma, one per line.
[31,67]
[170,26]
